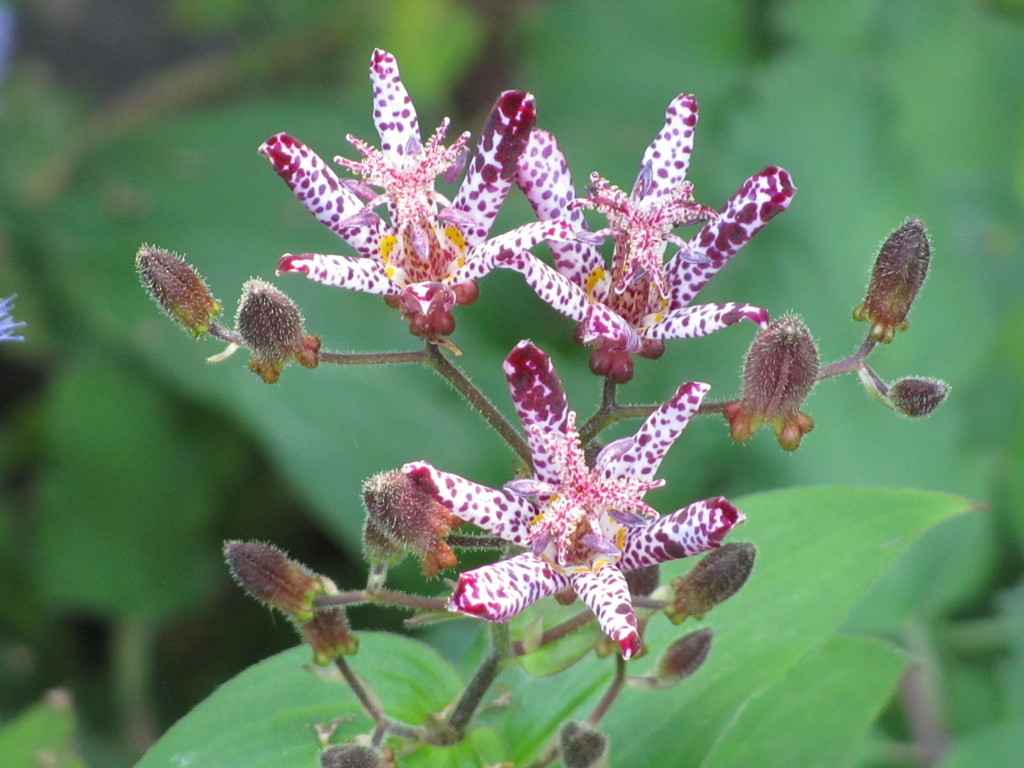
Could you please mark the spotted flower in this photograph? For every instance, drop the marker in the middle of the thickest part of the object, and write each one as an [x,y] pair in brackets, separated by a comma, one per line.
[642,299]
[425,258]
[583,525]
[7,323]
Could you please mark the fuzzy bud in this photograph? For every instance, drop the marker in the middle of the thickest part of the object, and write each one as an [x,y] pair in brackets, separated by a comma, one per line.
[272,328]
[350,755]
[582,746]
[779,373]
[401,518]
[643,581]
[269,575]
[896,278]
[684,657]
[177,288]
[717,577]
[917,396]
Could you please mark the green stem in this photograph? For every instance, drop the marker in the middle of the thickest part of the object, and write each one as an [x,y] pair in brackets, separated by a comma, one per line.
[470,700]
[371,705]
[132,649]
[848,364]
[478,400]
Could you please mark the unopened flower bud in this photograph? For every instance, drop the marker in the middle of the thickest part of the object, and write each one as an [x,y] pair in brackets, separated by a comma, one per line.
[913,396]
[713,580]
[917,396]
[329,635]
[401,518]
[177,288]
[582,746]
[350,755]
[684,657]
[273,578]
[779,373]
[643,581]
[896,278]
[271,326]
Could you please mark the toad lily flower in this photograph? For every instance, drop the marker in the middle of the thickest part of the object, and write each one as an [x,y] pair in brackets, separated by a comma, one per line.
[641,301]
[8,323]
[583,527]
[427,259]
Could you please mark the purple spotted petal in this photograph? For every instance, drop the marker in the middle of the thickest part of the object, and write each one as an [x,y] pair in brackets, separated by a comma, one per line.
[539,400]
[498,512]
[498,250]
[702,319]
[499,591]
[602,324]
[640,461]
[668,156]
[557,291]
[754,204]
[695,528]
[544,178]
[607,595]
[393,110]
[352,272]
[493,169]
[323,194]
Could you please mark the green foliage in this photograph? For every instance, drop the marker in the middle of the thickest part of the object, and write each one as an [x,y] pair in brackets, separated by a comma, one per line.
[125,459]
[777,662]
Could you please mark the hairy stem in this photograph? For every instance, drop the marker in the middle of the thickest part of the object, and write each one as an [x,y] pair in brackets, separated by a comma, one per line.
[611,694]
[478,401]
[481,682]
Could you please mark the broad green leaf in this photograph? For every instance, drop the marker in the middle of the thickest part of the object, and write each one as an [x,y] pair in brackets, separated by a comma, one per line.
[840,688]
[43,734]
[266,715]
[819,550]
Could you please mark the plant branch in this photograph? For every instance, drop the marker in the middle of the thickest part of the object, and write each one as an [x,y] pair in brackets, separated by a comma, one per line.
[478,400]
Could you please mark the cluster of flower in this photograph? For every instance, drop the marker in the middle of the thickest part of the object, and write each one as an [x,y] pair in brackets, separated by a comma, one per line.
[577,515]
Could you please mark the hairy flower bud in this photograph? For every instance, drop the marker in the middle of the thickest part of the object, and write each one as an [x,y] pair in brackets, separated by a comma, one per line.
[177,288]
[917,396]
[273,578]
[271,326]
[643,581]
[896,278]
[684,657]
[403,518]
[779,373]
[350,755]
[582,746]
[717,577]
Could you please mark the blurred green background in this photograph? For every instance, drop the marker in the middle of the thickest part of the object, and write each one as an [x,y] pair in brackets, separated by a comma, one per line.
[125,459]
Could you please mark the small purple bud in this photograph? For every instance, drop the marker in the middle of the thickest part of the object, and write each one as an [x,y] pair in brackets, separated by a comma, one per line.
[582,746]
[684,657]
[717,577]
[917,396]
[779,373]
[177,288]
[896,279]
[643,581]
[350,755]
[401,518]
[271,327]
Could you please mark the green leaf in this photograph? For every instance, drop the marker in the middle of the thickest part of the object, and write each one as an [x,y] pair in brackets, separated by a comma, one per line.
[42,735]
[819,550]
[266,715]
[840,687]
